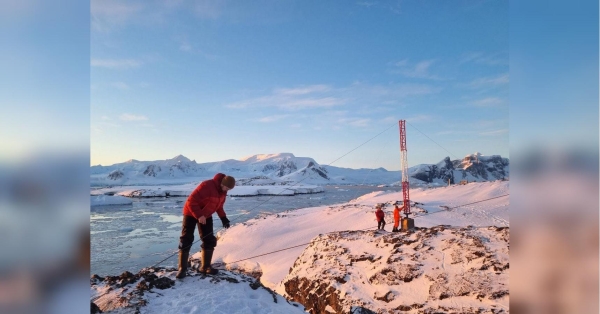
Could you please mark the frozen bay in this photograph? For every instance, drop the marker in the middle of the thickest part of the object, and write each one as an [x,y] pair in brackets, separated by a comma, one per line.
[130,237]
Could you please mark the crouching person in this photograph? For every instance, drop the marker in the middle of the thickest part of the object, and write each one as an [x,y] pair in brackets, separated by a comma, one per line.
[208,198]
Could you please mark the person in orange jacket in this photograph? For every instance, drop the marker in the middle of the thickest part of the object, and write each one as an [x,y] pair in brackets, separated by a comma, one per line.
[380,215]
[396,217]
[205,200]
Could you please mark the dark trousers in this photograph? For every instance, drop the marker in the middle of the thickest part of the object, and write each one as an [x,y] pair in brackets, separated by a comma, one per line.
[209,241]
[381,224]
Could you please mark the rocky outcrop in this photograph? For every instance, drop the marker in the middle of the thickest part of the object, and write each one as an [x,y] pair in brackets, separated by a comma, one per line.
[443,171]
[116,175]
[126,293]
[151,170]
[424,271]
[475,167]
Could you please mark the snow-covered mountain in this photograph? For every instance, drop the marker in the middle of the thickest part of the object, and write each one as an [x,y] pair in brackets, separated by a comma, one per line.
[273,169]
[475,167]
[263,169]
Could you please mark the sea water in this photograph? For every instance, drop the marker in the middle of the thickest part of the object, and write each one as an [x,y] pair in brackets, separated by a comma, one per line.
[131,237]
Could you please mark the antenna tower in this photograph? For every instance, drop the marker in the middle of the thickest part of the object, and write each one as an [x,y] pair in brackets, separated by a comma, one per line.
[404,163]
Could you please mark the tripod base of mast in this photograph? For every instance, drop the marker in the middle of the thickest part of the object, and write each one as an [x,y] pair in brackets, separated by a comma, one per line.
[407,224]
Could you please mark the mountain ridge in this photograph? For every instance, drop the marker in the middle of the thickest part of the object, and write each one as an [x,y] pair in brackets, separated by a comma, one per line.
[286,167]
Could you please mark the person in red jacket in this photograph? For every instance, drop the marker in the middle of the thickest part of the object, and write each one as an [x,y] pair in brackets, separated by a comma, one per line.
[380,215]
[206,199]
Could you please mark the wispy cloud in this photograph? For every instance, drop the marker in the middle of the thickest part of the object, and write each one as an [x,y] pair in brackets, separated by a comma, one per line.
[209,9]
[393,6]
[389,120]
[356,122]
[388,93]
[488,102]
[448,132]
[418,70]
[292,99]
[302,90]
[487,124]
[132,117]
[273,118]
[106,14]
[185,46]
[488,81]
[485,59]
[116,63]
[327,97]
[121,85]
[494,133]
[420,118]
[366,3]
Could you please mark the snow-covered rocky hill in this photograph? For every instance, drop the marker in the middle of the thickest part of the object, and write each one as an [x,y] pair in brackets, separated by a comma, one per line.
[226,292]
[440,269]
[285,168]
[330,260]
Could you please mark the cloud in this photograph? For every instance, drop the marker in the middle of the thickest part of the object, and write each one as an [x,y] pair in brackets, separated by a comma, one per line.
[388,120]
[287,103]
[393,6]
[273,118]
[106,14]
[185,46]
[449,132]
[121,85]
[419,70]
[209,9]
[401,63]
[131,117]
[488,102]
[116,63]
[325,96]
[420,118]
[389,93]
[357,122]
[488,81]
[292,99]
[481,58]
[366,3]
[302,90]
[494,133]
[305,103]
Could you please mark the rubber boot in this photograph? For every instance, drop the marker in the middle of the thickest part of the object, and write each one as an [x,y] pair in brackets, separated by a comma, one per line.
[183,264]
[206,260]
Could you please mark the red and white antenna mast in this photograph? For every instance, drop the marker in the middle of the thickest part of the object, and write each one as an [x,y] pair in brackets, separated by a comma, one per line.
[404,164]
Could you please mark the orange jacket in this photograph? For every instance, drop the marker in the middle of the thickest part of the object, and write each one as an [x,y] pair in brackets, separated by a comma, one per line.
[396,214]
[206,199]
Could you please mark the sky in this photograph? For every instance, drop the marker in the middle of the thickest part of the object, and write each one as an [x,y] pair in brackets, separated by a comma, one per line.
[217,80]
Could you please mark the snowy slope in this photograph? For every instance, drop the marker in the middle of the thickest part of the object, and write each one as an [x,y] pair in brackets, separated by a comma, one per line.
[472,244]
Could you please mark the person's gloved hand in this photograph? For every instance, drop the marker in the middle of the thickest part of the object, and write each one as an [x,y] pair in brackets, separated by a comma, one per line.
[225,222]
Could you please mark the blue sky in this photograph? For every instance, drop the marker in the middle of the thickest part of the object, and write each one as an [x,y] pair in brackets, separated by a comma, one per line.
[216,80]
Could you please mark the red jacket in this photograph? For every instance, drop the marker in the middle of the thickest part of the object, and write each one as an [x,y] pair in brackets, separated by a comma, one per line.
[206,199]
[379,213]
